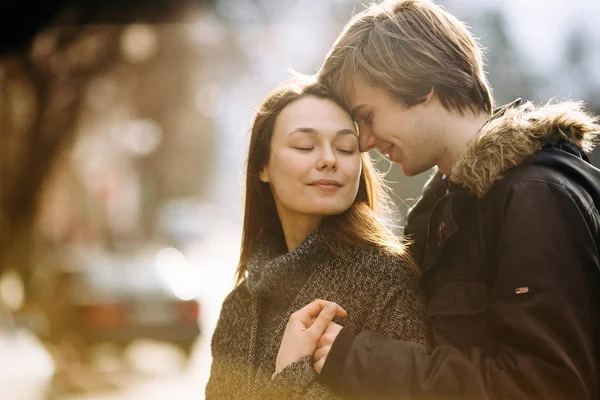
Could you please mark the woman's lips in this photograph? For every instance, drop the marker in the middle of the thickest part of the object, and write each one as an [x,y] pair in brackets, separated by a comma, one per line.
[327,188]
[327,185]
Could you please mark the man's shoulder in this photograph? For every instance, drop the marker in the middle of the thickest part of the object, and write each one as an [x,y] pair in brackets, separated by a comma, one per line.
[551,167]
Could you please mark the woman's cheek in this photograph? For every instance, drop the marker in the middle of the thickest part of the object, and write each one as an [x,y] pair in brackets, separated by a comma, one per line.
[352,166]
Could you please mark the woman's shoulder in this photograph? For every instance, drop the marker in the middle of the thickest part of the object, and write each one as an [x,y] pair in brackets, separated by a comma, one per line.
[239,295]
[376,261]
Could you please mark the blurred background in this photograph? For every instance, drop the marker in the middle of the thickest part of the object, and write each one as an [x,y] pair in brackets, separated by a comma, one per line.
[123,134]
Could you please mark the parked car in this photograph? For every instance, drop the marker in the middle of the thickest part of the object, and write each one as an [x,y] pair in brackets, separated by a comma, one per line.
[120,296]
[188,220]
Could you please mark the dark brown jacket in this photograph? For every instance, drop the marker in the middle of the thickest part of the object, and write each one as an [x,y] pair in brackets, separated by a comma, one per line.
[510,268]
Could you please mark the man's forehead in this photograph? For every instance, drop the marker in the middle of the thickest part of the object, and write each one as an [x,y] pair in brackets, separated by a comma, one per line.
[353,96]
[353,91]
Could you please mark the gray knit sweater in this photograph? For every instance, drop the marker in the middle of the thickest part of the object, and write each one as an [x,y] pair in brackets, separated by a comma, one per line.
[379,292]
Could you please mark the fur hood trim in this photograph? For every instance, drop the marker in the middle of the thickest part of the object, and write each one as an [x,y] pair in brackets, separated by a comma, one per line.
[517,133]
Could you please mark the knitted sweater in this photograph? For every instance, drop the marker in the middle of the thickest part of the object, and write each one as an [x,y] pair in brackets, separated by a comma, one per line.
[379,292]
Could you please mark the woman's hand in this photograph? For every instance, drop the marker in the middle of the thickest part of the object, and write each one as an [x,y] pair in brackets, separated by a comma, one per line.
[303,331]
[324,346]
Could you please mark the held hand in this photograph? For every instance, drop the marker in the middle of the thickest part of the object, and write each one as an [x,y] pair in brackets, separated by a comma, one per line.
[324,346]
[303,331]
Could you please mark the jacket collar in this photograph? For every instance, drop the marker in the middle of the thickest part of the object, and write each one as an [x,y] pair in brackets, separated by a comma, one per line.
[516,131]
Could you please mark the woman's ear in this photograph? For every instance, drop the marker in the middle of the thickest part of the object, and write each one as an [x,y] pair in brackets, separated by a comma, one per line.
[264,176]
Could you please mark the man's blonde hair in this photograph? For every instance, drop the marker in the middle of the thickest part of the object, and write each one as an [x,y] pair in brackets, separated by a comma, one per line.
[409,47]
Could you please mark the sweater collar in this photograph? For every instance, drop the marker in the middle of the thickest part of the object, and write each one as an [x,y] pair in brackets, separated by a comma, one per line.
[275,272]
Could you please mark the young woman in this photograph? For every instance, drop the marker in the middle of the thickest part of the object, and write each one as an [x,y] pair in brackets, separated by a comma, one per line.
[312,229]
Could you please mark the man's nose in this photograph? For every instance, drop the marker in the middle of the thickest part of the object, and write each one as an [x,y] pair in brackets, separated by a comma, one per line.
[366,141]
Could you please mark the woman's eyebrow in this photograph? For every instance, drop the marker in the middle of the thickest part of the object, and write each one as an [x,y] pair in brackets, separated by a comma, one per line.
[313,131]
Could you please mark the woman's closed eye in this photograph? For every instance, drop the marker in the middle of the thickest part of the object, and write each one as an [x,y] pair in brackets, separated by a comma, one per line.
[303,148]
[347,144]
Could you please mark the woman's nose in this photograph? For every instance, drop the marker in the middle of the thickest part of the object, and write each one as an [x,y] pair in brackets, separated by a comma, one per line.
[327,159]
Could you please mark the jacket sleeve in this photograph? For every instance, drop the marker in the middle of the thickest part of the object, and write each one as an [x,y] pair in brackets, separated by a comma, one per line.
[398,316]
[540,312]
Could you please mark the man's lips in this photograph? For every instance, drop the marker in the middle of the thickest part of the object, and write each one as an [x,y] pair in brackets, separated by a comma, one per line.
[386,152]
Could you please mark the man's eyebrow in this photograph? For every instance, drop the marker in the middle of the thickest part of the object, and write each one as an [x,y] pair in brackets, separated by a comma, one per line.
[313,131]
[354,111]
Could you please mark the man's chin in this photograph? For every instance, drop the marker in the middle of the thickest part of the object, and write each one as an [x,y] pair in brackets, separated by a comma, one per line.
[395,160]
[410,172]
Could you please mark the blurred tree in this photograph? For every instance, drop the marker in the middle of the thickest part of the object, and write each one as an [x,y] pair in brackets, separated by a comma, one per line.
[577,66]
[41,88]
[30,19]
[508,74]
[46,63]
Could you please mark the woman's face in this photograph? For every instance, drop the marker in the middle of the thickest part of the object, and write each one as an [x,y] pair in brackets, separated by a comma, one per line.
[314,167]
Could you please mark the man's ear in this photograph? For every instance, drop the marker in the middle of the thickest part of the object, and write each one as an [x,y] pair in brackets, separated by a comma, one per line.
[264,176]
[427,98]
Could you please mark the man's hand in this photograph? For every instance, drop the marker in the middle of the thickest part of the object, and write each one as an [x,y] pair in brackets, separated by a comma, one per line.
[324,346]
[303,331]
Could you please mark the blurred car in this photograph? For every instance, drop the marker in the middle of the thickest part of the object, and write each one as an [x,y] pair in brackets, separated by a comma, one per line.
[120,296]
[187,220]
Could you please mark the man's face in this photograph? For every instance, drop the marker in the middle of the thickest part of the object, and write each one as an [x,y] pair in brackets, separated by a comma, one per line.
[406,135]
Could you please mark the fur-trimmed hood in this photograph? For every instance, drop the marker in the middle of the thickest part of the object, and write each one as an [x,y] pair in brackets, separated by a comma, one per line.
[517,131]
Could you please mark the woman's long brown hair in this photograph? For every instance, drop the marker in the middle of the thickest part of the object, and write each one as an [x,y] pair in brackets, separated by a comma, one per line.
[361,225]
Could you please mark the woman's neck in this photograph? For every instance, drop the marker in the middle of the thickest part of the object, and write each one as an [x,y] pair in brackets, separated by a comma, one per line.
[297,229]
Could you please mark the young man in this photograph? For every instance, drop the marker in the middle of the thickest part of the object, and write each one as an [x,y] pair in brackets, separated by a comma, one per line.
[506,233]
